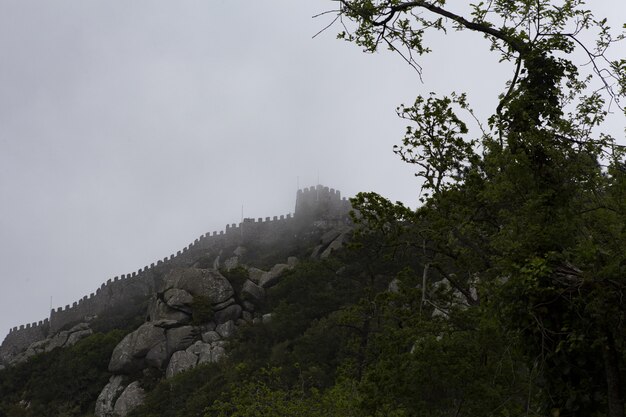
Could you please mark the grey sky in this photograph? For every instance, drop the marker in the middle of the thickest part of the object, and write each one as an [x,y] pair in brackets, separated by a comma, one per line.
[127,129]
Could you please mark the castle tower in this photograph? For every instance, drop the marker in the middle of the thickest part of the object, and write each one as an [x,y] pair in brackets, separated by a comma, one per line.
[320,203]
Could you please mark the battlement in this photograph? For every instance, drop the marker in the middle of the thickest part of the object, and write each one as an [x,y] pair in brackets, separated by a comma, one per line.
[34,325]
[320,203]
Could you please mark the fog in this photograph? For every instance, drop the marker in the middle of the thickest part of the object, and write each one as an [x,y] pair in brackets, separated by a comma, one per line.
[128,129]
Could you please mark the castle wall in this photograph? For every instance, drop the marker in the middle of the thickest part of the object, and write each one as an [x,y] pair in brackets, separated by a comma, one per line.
[321,203]
[19,338]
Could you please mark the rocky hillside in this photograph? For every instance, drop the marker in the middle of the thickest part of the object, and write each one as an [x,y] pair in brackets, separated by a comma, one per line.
[183,316]
[333,318]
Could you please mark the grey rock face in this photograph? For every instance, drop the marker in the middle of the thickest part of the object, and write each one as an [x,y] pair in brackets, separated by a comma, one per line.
[180,361]
[331,235]
[231,263]
[199,348]
[157,356]
[181,338]
[79,327]
[208,353]
[207,327]
[226,330]
[129,354]
[253,292]
[316,251]
[217,353]
[77,336]
[105,403]
[166,324]
[232,312]
[132,397]
[203,351]
[271,278]
[207,283]
[335,245]
[255,274]
[178,299]
[158,311]
[223,305]
[210,337]
[145,338]
[57,341]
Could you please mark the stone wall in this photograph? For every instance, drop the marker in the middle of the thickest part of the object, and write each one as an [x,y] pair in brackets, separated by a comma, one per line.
[314,203]
[320,203]
[19,338]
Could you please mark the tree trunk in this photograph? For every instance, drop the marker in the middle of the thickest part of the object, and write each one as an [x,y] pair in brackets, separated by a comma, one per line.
[614,386]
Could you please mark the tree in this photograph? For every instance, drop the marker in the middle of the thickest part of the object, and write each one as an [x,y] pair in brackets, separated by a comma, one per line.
[532,212]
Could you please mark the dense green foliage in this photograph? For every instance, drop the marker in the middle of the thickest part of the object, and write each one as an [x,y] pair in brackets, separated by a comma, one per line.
[201,309]
[63,382]
[526,220]
[340,344]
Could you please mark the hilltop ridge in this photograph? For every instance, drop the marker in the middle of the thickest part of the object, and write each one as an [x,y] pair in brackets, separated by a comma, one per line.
[317,208]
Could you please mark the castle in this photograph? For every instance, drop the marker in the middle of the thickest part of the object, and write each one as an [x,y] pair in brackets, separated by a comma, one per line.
[315,207]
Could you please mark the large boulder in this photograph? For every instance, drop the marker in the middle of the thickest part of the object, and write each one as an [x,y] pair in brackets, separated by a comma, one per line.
[207,283]
[223,304]
[255,274]
[271,277]
[202,351]
[252,292]
[178,299]
[77,336]
[231,263]
[180,361]
[160,312]
[105,403]
[211,336]
[145,338]
[57,341]
[181,338]
[225,330]
[208,352]
[217,352]
[232,312]
[132,397]
[129,355]
[157,356]
[336,244]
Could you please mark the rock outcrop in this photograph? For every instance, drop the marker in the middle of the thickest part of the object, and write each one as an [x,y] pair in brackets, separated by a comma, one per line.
[130,354]
[206,283]
[105,404]
[191,310]
[63,339]
[132,397]
[180,361]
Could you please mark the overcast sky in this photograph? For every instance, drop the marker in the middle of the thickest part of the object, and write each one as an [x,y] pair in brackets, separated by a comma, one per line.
[128,129]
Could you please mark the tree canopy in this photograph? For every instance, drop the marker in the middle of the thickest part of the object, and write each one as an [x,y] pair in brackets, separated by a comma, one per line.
[527,220]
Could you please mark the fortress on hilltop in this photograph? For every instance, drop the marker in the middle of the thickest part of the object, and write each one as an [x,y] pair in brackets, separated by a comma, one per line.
[319,206]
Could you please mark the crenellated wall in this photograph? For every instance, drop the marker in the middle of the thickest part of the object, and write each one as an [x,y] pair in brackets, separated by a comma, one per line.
[314,203]
[19,338]
[320,203]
